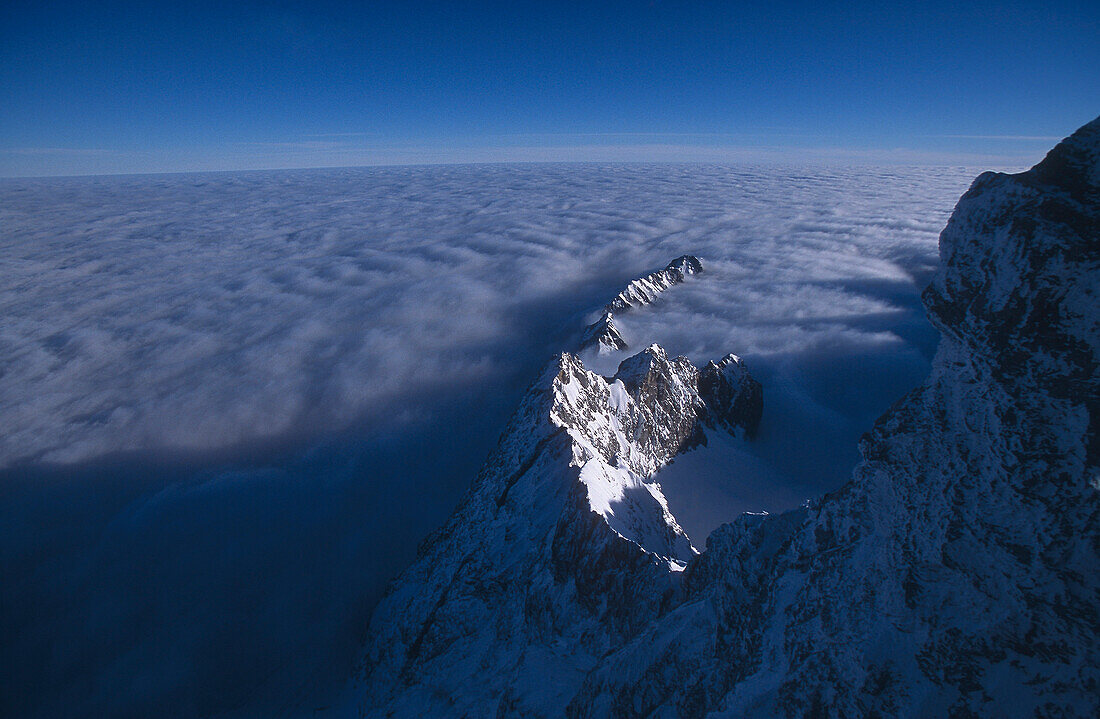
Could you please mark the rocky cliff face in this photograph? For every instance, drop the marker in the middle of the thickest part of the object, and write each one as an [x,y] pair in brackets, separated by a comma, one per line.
[955,575]
[563,550]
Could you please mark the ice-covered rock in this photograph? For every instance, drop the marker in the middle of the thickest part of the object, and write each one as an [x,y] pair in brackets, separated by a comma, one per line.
[603,335]
[563,550]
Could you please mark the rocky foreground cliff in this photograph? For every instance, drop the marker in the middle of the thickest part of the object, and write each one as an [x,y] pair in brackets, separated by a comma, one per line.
[564,548]
[955,575]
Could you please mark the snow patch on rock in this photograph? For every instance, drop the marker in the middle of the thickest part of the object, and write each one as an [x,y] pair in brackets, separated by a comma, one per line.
[603,336]
[564,548]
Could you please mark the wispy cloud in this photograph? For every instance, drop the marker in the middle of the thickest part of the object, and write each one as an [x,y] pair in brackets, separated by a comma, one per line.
[601,135]
[184,257]
[296,145]
[1010,138]
[355,149]
[343,134]
[55,151]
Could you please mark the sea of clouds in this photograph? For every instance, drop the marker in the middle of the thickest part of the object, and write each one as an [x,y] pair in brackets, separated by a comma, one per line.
[233,403]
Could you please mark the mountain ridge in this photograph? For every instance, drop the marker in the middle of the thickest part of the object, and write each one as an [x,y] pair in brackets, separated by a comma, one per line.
[564,534]
[603,335]
[953,575]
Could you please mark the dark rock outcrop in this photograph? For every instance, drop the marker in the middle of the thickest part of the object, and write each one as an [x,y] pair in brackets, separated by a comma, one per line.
[734,397]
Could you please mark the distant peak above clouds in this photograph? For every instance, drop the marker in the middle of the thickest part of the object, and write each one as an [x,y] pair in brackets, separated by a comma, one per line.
[603,335]
[644,290]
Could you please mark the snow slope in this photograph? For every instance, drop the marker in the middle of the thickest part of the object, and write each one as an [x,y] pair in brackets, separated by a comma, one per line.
[563,550]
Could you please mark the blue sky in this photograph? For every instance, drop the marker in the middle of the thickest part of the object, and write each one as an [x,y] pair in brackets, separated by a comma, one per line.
[132,87]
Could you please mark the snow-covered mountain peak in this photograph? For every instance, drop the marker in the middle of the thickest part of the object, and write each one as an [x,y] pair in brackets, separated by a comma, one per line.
[685,265]
[603,335]
[624,429]
[617,444]
[651,368]
[1025,301]
[564,548]
[644,290]
[953,576]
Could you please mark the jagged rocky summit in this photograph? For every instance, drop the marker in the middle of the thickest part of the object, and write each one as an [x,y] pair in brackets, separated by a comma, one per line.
[954,575]
[564,547]
[603,335]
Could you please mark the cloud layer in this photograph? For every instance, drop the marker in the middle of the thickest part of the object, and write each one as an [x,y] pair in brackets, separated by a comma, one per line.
[203,311]
[233,403]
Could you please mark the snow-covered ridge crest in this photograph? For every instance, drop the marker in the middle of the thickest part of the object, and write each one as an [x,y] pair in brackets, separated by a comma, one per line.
[563,549]
[618,443]
[644,290]
[603,335]
[624,429]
